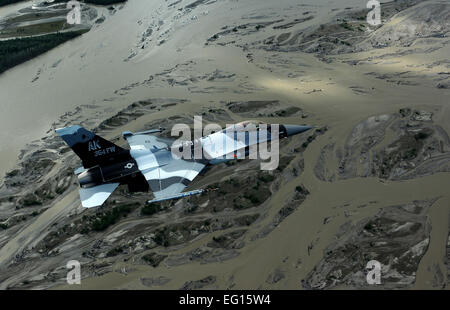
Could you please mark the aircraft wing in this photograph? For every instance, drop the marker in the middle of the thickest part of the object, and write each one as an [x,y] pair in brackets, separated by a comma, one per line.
[172,178]
[149,142]
[222,143]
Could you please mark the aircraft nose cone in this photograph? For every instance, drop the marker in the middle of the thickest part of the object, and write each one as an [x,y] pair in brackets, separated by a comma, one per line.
[296,129]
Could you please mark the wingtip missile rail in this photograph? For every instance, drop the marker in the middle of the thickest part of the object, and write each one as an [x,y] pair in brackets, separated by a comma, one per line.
[180,195]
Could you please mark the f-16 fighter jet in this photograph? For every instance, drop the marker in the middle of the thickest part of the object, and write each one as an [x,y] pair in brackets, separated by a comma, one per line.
[150,163]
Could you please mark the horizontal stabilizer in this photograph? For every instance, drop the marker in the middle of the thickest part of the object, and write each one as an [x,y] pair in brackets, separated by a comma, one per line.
[96,196]
[79,170]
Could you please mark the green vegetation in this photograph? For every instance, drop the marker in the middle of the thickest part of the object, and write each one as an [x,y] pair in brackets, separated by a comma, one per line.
[247,220]
[115,251]
[301,189]
[31,200]
[254,199]
[161,237]
[421,135]
[284,162]
[308,141]
[12,173]
[410,153]
[238,206]
[17,51]
[287,112]
[191,209]
[256,187]
[151,209]
[109,218]
[59,191]
[153,259]
[407,148]
[346,26]
[230,163]
[266,178]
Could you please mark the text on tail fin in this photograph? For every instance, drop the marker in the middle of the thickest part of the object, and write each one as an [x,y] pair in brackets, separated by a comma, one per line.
[92,149]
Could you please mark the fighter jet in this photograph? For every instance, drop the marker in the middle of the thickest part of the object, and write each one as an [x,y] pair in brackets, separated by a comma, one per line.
[150,164]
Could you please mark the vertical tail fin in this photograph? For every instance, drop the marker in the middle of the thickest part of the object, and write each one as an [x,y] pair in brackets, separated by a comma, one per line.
[92,149]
